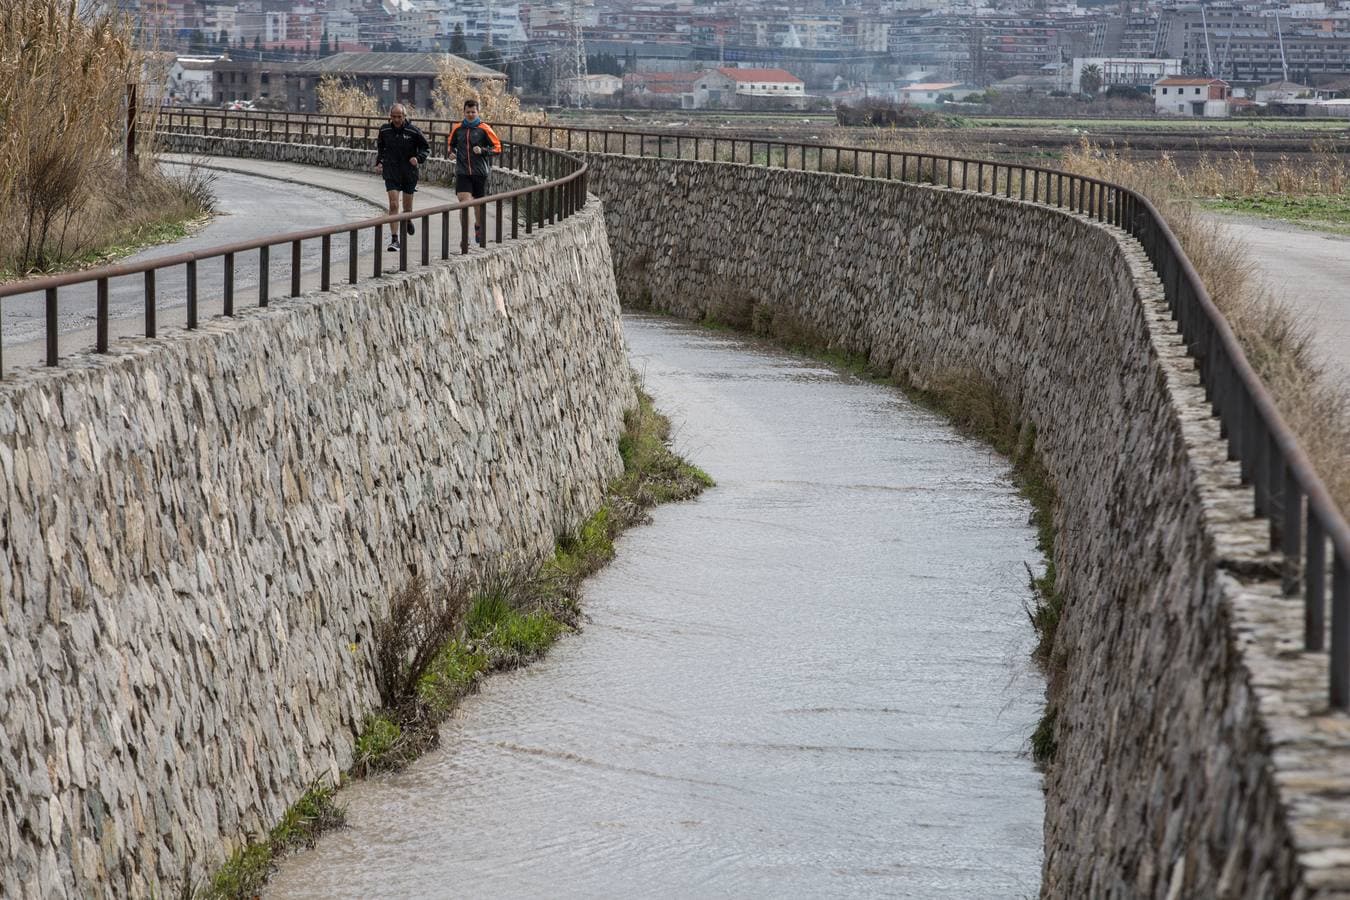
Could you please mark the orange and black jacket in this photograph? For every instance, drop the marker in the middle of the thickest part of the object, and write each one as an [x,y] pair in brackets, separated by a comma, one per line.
[467,135]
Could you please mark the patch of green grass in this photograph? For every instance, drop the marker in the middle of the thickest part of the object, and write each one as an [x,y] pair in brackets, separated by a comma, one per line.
[119,246]
[451,676]
[653,472]
[1043,743]
[1321,213]
[243,874]
[713,323]
[592,545]
[128,242]
[1093,124]
[526,635]
[378,738]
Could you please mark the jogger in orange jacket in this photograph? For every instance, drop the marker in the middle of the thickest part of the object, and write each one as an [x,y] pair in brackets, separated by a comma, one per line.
[473,144]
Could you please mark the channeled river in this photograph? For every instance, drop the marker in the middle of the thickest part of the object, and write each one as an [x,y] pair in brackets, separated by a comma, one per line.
[813,681]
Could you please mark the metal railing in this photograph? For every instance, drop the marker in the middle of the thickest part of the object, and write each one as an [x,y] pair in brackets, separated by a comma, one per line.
[1304,519]
[525,209]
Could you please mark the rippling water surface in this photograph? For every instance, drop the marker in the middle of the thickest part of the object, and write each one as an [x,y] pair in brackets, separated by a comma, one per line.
[811,682]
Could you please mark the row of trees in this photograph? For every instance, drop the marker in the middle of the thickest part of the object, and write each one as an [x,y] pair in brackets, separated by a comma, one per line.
[201,42]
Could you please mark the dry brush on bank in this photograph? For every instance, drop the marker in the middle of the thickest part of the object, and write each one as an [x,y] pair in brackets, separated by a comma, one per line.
[454,84]
[438,641]
[66,192]
[1276,340]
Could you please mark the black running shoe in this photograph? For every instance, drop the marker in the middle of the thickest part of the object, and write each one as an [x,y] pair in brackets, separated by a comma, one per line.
[393,244]
[412,229]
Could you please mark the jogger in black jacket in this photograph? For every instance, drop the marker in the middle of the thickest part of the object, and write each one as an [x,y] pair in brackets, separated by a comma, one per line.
[399,151]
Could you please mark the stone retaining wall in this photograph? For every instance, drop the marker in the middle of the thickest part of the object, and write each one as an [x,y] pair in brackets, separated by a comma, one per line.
[198,531]
[1193,756]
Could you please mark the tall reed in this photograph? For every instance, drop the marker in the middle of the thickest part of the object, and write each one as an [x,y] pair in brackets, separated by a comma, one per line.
[66,188]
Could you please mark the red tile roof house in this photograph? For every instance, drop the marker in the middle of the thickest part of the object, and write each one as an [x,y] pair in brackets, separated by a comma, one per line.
[1191,97]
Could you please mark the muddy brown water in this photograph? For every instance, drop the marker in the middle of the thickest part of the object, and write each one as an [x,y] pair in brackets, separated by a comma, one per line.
[812,681]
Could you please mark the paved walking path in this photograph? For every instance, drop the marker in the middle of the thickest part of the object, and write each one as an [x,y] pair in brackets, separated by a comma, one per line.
[255,199]
[1310,270]
[359,185]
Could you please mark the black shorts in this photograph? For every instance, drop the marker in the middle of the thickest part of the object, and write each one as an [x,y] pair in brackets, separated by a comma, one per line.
[407,184]
[477,185]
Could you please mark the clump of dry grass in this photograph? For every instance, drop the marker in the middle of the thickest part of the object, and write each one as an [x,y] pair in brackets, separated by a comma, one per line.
[63,77]
[495,103]
[338,98]
[1276,341]
[65,185]
[1321,174]
[932,141]
[454,85]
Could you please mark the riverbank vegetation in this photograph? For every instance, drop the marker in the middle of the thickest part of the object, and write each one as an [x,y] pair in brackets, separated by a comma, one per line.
[454,84]
[67,195]
[244,874]
[978,409]
[1277,341]
[437,642]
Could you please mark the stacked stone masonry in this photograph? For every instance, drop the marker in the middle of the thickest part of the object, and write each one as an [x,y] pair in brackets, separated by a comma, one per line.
[199,530]
[1195,755]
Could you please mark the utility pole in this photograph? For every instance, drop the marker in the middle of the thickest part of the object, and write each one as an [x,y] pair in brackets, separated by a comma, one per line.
[578,56]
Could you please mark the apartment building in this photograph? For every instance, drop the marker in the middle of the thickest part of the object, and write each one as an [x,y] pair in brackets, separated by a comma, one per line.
[1241,44]
[986,48]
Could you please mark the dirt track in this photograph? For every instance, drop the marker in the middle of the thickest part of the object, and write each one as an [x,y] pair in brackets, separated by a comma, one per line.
[1310,271]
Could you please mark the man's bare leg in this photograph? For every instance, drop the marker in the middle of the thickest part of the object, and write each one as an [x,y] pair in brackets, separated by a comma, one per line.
[465,197]
[393,210]
[407,207]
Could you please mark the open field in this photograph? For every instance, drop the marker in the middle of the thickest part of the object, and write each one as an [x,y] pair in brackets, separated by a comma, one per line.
[1166,124]
[1330,214]
[1011,139]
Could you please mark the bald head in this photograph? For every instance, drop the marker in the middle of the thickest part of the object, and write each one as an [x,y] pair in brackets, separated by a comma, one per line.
[396,114]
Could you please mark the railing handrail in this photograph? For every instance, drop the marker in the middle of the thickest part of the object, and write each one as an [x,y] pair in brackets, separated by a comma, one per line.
[1272,459]
[45,282]
[366,122]
[1314,489]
